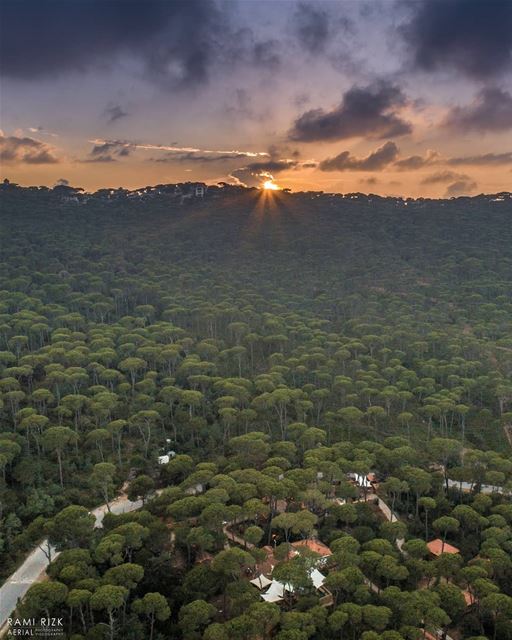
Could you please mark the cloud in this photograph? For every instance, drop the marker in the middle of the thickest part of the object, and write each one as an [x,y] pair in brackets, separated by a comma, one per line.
[266,54]
[107,157]
[115,112]
[272,166]
[483,160]
[247,178]
[255,173]
[109,150]
[441,177]
[177,42]
[432,158]
[242,107]
[364,111]
[375,161]
[42,131]
[62,182]
[117,147]
[198,157]
[312,27]
[174,148]
[412,163]
[26,150]
[461,187]
[490,111]
[473,37]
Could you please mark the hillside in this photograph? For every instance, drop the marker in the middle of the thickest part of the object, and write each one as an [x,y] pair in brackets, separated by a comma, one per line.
[306,361]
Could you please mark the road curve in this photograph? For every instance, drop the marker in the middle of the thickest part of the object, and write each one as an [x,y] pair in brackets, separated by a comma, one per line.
[17,585]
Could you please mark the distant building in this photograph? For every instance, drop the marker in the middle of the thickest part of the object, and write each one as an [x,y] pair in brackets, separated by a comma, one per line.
[194,490]
[437,547]
[166,458]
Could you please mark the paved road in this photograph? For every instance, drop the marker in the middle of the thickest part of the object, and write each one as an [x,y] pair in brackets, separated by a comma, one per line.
[17,585]
[485,488]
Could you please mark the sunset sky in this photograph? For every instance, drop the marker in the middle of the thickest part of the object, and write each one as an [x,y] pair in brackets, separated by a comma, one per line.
[382,96]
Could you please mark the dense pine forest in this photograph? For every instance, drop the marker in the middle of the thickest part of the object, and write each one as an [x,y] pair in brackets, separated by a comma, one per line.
[293,385]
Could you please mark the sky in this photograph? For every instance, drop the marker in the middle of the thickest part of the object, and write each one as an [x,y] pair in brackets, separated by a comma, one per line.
[393,97]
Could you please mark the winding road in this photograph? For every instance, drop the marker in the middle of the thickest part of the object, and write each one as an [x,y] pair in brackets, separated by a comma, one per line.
[17,585]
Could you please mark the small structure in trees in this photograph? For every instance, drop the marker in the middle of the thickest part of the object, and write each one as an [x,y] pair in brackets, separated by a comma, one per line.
[315,546]
[438,546]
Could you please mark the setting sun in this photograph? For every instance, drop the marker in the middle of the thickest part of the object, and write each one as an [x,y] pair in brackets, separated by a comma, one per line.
[270,185]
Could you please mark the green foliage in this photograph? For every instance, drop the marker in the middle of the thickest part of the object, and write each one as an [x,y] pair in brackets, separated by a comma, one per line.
[269,359]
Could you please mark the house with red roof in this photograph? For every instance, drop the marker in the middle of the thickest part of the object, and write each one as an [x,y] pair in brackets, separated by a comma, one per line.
[438,546]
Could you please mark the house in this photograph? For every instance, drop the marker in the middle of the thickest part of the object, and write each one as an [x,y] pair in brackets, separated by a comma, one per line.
[437,547]
[315,546]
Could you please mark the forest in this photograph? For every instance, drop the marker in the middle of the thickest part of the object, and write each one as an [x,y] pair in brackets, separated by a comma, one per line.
[309,394]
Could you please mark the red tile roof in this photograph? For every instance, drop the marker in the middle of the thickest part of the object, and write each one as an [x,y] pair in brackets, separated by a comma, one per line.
[313,545]
[436,547]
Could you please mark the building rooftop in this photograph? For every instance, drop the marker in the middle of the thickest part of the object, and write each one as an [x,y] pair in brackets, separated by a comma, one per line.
[313,545]
[436,547]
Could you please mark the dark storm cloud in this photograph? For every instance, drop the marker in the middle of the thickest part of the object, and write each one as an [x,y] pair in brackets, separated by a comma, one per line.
[364,111]
[483,160]
[26,150]
[461,187]
[441,177]
[490,111]
[471,36]
[115,112]
[177,41]
[375,161]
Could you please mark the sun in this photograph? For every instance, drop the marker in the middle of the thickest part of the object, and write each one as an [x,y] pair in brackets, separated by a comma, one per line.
[270,185]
